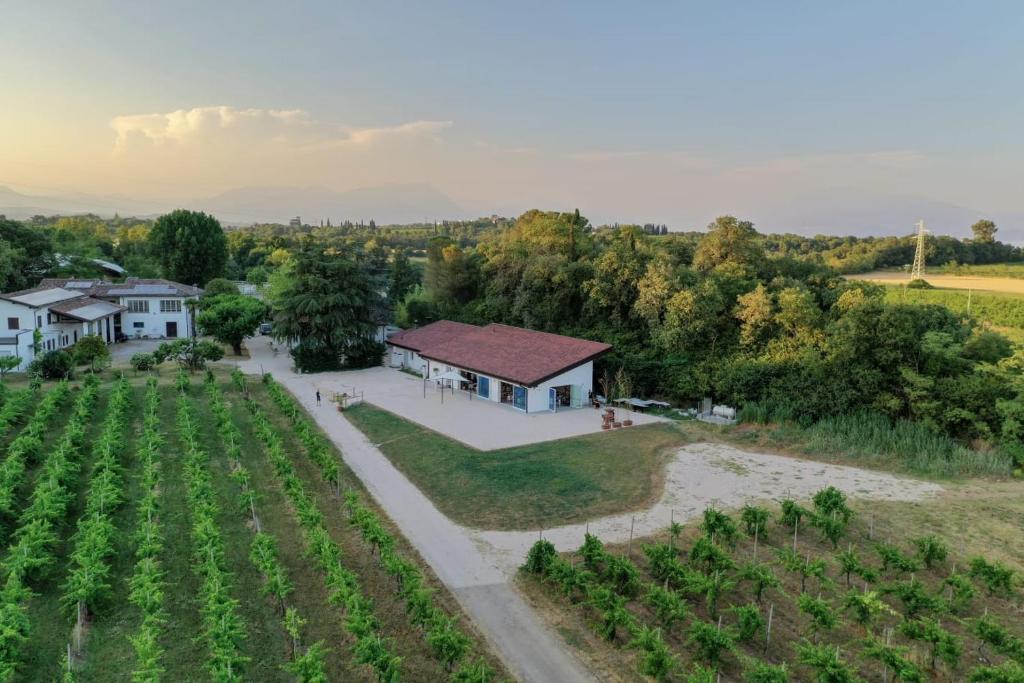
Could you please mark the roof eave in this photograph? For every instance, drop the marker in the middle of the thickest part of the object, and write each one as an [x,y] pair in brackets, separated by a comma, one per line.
[529,384]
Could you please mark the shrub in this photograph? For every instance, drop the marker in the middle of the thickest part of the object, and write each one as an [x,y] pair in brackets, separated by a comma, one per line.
[54,365]
[92,350]
[996,576]
[541,554]
[143,362]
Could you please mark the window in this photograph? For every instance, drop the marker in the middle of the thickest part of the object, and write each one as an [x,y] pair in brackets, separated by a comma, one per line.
[39,321]
[138,324]
[170,306]
[13,324]
[138,305]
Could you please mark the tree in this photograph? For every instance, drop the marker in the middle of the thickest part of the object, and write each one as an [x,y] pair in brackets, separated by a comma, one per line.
[729,240]
[325,311]
[403,277]
[230,318]
[190,246]
[218,286]
[984,231]
[93,350]
[191,354]
[8,363]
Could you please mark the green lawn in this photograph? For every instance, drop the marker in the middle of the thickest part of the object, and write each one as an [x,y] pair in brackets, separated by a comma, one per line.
[528,487]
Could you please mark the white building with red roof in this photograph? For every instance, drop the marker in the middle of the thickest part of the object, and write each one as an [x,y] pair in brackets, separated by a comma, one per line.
[531,371]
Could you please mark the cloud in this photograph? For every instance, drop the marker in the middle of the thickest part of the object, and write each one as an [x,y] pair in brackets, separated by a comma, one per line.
[287,127]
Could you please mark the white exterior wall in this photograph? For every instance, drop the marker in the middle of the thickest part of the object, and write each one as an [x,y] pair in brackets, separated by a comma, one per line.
[406,358]
[582,376]
[56,335]
[154,323]
[536,397]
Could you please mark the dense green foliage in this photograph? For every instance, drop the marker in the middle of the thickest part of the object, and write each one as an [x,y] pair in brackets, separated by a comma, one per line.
[190,246]
[728,318]
[327,311]
[230,318]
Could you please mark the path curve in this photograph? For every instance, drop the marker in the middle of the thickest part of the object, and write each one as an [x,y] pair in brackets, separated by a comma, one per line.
[710,474]
[478,565]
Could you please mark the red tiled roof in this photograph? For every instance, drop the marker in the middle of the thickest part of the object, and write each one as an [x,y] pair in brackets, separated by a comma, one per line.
[429,335]
[515,354]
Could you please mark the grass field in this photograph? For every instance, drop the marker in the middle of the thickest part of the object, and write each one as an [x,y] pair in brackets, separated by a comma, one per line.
[1012,270]
[527,487]
[999,309]
[220,462]
[674,605]
[990,283]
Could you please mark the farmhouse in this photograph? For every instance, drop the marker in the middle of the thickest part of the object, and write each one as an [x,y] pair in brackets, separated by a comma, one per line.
[528,370]
[65,310]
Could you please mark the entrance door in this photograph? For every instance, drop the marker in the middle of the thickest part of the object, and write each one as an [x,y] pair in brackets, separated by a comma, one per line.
[172,329]
[519,397]
[552,399]
[483,387]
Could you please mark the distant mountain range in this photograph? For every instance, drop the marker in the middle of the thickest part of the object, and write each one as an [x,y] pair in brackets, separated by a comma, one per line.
[837,214]
[882,216]
[384,204]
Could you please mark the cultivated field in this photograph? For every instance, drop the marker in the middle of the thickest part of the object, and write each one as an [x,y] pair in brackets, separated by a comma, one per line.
[1007,285]
[201,528]
[829,591]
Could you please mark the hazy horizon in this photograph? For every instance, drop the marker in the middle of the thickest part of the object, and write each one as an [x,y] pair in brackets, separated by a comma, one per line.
[665,113]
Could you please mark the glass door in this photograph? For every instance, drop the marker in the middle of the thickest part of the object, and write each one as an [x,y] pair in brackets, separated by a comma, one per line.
[519,397]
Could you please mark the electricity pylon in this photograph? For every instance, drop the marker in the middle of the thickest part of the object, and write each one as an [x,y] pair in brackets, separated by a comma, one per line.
[917,272]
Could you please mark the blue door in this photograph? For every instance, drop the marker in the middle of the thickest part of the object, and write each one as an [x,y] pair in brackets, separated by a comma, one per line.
[519,397]
[552,399]
[483,386]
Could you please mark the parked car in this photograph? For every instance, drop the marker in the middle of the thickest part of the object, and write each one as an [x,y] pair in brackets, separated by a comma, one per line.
[265,328]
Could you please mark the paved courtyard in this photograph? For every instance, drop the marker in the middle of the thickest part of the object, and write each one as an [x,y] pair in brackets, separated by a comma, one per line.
[479,423]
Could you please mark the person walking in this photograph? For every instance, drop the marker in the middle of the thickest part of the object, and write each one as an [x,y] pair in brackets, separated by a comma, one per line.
[318,397]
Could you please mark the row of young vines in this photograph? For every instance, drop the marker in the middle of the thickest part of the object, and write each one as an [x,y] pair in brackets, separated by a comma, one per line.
[223,628]
[449,644]
[146,585]
[16,406]
[370,648]
[88,579]
[37,533]
[611,587]
[27,445]
[306,664]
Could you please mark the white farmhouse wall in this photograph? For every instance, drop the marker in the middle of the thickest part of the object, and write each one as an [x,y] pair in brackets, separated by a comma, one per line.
[582,376]
[154,323]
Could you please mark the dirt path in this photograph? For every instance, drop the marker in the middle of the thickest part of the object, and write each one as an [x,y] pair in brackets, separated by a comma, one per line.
[705,474]
[478,565]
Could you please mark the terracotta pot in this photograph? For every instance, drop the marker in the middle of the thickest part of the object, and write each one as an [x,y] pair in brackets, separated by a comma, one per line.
[627,423]
[606,426]
[616,424]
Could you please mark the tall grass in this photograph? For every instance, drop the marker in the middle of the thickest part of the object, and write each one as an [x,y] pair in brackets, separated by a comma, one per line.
[874,438]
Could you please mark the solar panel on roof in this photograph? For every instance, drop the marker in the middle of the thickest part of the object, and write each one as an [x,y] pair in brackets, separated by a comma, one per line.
[79,284]
[144,290]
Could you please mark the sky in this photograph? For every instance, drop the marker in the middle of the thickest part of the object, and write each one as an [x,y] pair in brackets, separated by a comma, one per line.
[670,112]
